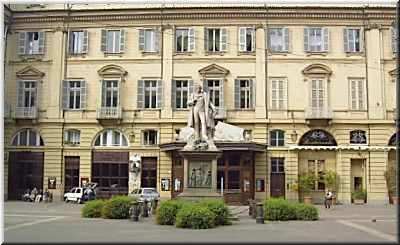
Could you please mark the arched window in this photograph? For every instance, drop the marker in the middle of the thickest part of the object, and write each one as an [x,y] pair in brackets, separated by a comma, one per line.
[358,137]
[277,138]
[111,137]
[27,137]
[392,141]
[317,137]
[72,136]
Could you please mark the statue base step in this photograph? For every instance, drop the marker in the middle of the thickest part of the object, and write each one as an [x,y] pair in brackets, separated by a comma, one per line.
[194,194]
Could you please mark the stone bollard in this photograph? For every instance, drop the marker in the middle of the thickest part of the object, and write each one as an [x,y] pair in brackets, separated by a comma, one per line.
[154,206]
[134,211]
[260,213]
[254,211]
[250,207]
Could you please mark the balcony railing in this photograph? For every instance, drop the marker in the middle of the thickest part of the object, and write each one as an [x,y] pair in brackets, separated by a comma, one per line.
[109,113]
[26,112]
[221,113]
[319,113]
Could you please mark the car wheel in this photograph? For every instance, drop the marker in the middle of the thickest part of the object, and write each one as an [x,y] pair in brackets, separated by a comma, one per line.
[78,201]
[66,199]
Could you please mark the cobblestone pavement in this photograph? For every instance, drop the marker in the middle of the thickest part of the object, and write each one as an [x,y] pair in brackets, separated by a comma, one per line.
[60,222]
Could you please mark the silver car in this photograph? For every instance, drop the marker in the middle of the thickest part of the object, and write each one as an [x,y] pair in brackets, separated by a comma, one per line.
[148,194]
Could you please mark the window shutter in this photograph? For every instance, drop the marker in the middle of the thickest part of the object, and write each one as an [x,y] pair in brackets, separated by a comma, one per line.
[141,39]
[286,39]
[273,97]
[70,43]
[20,93]
[122,41]
[326,39]
[285,93]
[242,39]
[65,94]
[159,94]
[191,87]
[41,42]
[353,95]
[224,39]
[252,93]
[237,94]
[205,85]
[85,44]
[22,43]
[221,94]
[104,41]
[253,40]
[157,37]
[119,93]
[140,94]
[192,39]
[360,95]
[361,40]
[35,95]
[394,47]
[83,94]
[173,94]
[206,37]
[103,93]
[306,42]
[345,40]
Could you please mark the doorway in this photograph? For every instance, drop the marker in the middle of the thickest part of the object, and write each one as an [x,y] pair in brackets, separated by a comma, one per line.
[149,172]
[277,177]
[71,172]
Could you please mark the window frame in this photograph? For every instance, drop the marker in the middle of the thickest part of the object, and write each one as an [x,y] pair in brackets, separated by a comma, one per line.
[109,137]
[146,139]
[112,90]
[275,103]
[358,131]
[276,164]
[33,92]
[151,89]
[74,90]
[285,43]
[357,92]
[275,137]
[252,31]
[17,138]
[72,50]
[186,31]
[116,44]
[181,90]
[248,92]
[72,137]
[351,47]
[324,46]
[318,176]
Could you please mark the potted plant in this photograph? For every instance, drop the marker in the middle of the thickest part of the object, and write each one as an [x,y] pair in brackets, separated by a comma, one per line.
[306,185]
[331,182]
[359,196]
[390,176]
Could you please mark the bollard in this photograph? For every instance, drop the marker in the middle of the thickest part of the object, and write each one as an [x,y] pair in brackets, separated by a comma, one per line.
[260,213]
[145,209]
[154,206]
[134,211]
[254,211]
[250,207]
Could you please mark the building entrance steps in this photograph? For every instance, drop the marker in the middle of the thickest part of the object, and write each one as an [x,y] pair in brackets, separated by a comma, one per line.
[239,211]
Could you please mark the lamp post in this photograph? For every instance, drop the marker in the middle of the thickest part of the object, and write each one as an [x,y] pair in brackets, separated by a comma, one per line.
[397,98]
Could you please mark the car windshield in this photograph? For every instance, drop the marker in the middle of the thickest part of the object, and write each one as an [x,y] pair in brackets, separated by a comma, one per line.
[72,190]
[147,191]
[137,191]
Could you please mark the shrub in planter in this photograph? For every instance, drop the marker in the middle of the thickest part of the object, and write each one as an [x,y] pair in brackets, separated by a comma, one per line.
[166,212]
[195,216]
[306,212]
[221,211]
[279,209]
[92,209]
[117,207]
[359,195]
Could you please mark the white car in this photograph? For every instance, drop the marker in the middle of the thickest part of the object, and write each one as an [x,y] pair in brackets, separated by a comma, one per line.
[74,195]
[148,194]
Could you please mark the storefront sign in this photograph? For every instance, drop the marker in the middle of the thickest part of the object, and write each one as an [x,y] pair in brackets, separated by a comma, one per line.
[52,182]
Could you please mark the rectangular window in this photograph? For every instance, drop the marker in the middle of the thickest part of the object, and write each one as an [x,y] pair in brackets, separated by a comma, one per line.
[278,39]
[317,168]
[277,138]
[246,39]
[357,94]
[182,40]
[245,94]
[150,40]
[316,39]
[72,137]
[78,42]
[33,42]
[150,94]
[214,37]
[352,40]
[182,93]
[74,95]
[29,94]
[277,165]
[110,93]
[150,137]
[214,89]
[278,91]
[317,94]
[113,40]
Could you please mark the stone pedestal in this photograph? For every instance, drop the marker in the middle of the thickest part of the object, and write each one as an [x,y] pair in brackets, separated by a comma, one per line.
[200,174]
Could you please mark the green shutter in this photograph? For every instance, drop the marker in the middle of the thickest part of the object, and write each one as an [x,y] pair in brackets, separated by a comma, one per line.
[237,94]
[65,94]
[41,42]
[140,94]
[83,94]
[104,41]
[122,41]
[85,44]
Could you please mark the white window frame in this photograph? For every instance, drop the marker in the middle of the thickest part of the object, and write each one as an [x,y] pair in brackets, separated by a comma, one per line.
[32,47]
[181,90]
[283,47]
[185,34]
[213,90]
[77,43]
[278,93]
[72,136]
[243,43]
[312,32]
[109,139]
[359,98]
[115,47]
[276,138]
[28,134]
[112,89]
[153,36]
[148,87]
[324,88]
[32,90]
[74,90]
[247,90]
[275,163]
[146,137]
[215,43]
[352,41]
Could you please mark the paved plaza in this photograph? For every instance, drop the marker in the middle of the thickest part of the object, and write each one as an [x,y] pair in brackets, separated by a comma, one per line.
[60,222]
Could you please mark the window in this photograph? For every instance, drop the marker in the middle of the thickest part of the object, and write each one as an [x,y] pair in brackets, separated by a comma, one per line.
[72,136]
[31,43]
[149,40]
[27,137]
[216,39]
[246,39]
[78,42]
[278,91]
[233,179]
[358,137]
[150,137]
[317,168]
[352,40]
[278,39]
[149,94]
[74,94]
[277,165]
[357,94]
[27,94]
[111,137]
[185,40]
[215,91]
[180,93]
[112,41]
[244,94]
[277,138]
[316,39]
[318,96]
[110,93]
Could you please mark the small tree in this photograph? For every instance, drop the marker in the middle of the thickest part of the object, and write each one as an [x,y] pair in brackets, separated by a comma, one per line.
[306,183]
[331,180]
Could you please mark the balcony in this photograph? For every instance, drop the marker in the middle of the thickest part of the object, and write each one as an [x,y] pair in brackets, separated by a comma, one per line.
[221,113]
[109,113]
[318,116]
[26,112]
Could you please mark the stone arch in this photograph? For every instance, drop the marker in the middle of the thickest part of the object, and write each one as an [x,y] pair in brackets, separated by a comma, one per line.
[392,140]
[110,138]
[112,71]
[317,69]
[317,137]
[27,137]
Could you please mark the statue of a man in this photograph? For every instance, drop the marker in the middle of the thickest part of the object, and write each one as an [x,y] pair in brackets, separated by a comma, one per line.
[201,114]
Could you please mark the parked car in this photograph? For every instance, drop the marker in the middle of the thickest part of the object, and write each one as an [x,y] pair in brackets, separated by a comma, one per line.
[81,194]
[148,194]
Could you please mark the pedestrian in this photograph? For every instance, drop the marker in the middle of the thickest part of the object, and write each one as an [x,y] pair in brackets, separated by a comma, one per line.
[328,199]
[34,192]
[39,196]
[45,196]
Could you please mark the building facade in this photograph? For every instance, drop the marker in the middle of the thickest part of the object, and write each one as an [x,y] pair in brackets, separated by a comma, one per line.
[86,86]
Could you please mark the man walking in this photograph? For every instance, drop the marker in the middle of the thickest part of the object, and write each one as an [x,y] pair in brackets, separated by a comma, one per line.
[328,199]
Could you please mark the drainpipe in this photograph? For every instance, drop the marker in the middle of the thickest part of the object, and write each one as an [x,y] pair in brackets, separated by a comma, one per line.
[266,100]
[161,75]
